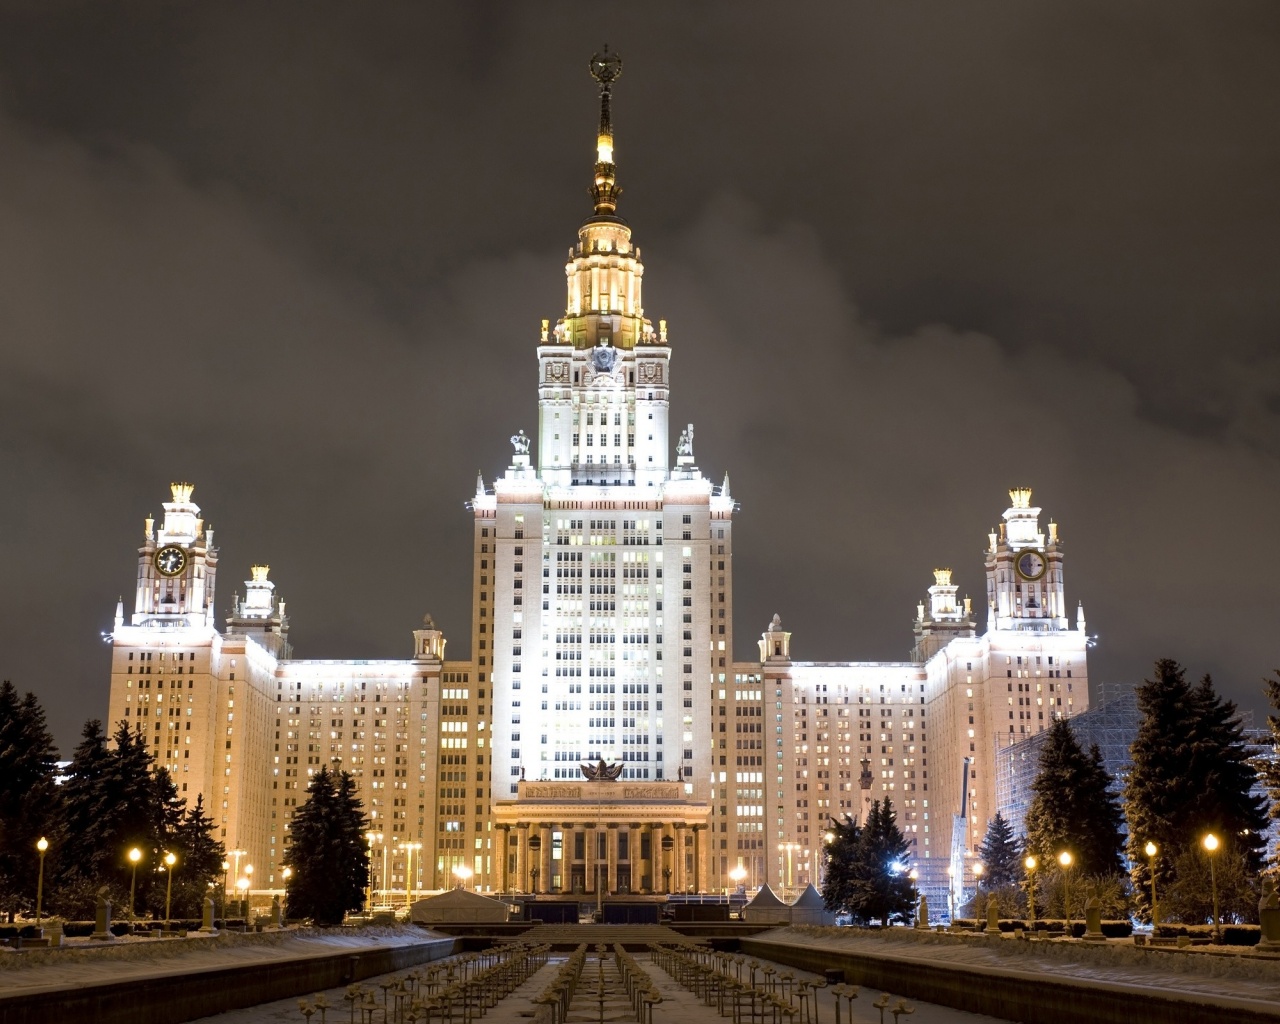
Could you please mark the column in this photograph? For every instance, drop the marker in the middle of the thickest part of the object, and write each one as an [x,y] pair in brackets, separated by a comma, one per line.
[697,857]
[633,856]
[647,863]
[522,856]
[677,874]
[589,849]
[544,875]
[611,857]
[504,845]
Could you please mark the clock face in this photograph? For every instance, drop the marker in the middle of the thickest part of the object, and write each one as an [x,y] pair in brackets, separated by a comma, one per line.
[1031,565]
[171,560]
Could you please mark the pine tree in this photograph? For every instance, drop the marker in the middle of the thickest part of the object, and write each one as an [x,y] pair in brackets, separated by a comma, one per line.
[327,853]
[837,883]
[1270,767]
[881,889]
[29,798]
[85,852]
[1001,855]
[1074,808]
[199,860]
[1190,776]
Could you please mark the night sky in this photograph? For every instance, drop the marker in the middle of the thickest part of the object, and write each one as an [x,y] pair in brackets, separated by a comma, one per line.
[911,255]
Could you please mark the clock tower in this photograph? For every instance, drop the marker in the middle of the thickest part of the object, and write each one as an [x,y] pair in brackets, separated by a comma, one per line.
[177,566]
[1024,571]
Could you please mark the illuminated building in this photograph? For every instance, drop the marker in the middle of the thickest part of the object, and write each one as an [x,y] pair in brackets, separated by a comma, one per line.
[602,633]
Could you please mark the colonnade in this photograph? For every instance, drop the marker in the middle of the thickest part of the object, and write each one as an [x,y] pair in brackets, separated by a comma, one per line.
[659,857]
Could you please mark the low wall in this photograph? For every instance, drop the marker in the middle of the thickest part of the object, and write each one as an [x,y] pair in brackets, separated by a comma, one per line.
[175,997]
[1028,996]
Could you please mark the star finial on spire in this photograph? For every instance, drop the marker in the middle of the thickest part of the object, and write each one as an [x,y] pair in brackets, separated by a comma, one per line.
[606,68]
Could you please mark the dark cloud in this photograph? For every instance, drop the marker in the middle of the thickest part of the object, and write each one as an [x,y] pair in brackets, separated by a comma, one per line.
[911,256]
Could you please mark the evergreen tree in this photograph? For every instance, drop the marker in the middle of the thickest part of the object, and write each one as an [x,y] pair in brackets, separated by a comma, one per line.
[29,798]
[327,851]
[199,860]
[1270,768]
[1074,808]
[1190,776]
[880,887]
[837,882]
[86,850]
[1001,855]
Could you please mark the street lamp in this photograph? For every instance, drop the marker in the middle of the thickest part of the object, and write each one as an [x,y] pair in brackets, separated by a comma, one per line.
[1064,858]
[408,873]
[248,877]
[1030,864]
[463,874]
[738,874]
[169,861]
[236,855]
[226,874]
[42,845]
[1151,850]
[135,855]
[1211,845]
[243,885]
[371,838]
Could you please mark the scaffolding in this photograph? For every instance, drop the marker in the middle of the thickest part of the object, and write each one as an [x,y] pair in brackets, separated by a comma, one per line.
[1112,725]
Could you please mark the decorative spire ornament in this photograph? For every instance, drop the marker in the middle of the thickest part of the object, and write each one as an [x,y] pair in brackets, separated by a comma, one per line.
[606,68]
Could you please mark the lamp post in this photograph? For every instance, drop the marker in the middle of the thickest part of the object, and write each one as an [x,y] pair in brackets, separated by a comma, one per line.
[1030,864]
[243,885]
[978,869]
[738,874]
[248,877]
[1211,845]
[463,874]
[42,847]
[226,875]
[135,855]
[370,838]
[235,855]
[1151,850]
[1065,858]
[169,861]
[409,849]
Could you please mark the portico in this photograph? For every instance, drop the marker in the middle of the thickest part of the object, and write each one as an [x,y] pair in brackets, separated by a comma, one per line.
[601,836]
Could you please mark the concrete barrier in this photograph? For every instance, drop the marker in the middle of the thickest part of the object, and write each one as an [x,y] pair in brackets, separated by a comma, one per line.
[1031,997]
[170,998]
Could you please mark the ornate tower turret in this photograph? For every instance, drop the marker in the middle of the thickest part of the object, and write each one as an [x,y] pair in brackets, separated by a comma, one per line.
[261,613]
[177,565]
[943,620]
[603,370]
[1024,571]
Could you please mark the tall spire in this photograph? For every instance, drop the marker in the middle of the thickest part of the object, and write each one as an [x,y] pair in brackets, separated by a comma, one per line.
[606,68]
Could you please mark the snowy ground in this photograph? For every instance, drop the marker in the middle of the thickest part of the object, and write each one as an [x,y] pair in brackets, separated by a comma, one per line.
[82,962]
[1241,975]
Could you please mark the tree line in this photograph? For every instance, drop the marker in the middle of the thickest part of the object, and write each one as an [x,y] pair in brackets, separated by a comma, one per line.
[113,798]
[1192,774]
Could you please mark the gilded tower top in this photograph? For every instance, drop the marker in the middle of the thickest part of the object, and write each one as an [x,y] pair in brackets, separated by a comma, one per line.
[606,68]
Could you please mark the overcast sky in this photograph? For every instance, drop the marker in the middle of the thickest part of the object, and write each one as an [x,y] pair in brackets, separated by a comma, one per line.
[911,255]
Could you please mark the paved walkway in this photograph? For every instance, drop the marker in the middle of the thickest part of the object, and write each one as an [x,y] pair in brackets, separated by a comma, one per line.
[679,1006]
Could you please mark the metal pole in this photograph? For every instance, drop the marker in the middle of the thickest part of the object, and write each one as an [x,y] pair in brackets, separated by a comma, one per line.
[40,884]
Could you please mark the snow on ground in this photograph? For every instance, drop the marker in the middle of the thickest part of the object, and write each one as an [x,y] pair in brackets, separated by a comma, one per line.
[1242,975]
[82,962]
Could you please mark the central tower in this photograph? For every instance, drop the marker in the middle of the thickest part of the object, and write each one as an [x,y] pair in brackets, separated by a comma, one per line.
[603,571]
[603,372]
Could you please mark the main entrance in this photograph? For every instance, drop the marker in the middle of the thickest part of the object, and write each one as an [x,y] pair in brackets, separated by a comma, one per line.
[601,835]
